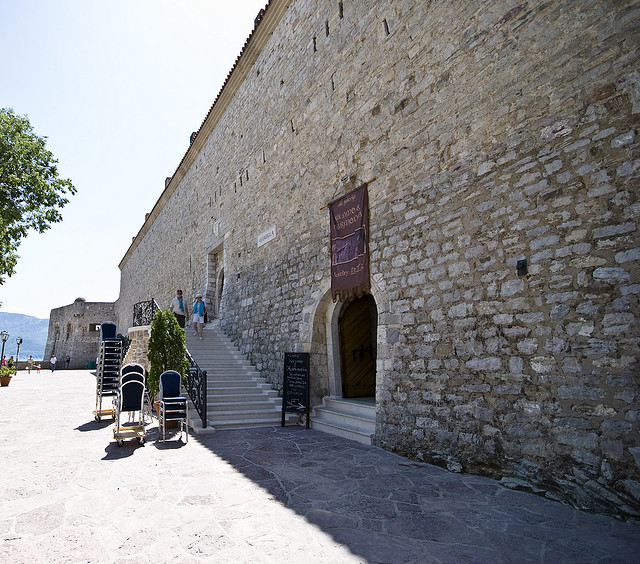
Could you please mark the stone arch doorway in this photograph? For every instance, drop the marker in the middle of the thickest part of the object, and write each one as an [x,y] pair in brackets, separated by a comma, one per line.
[357,327]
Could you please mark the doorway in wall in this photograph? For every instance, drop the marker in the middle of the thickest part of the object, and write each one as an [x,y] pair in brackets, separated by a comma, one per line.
[215,277]
[220,287]
[358,324]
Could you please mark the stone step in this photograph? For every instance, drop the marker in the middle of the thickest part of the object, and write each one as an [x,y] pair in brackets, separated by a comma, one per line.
[223,409]
[352,419]
[243,384]
[218,370]
[249,414]
[246,423]
[364,408]
[245,396]
[341,430]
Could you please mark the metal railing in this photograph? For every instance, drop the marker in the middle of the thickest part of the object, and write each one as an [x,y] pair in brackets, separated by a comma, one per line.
[143,312]
[126,343]
[197,388]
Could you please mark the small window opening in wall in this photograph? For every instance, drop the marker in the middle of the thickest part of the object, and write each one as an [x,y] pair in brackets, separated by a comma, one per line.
[235,188]
[240,178]
[315,46]
[246,172]
[293,130]
[386,26]
[341,10]
[326,27]
[333,82]
[264,156]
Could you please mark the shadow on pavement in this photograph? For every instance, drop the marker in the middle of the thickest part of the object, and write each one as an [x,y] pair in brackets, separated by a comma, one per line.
[386,508]
[114,452]
[94,425]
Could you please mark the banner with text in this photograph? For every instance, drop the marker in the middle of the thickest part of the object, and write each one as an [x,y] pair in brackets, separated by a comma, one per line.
[350,244]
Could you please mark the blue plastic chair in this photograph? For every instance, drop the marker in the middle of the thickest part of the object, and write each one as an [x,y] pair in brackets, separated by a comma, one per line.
[134,371]
[107,330]
[173,406]
[130,399]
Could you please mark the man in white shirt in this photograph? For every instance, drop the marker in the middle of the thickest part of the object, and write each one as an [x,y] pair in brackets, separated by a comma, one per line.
[179,309]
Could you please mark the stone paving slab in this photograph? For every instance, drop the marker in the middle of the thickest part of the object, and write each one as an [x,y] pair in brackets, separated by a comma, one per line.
[70,494]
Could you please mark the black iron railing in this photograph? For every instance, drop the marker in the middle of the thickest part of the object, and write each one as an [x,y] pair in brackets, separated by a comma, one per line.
[143,312]
[197,388]
[126,343]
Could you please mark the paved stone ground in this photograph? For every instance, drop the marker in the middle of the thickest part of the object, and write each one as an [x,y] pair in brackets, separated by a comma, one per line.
[69,494]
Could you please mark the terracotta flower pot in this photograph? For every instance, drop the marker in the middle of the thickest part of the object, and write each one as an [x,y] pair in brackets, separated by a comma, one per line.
[4,380]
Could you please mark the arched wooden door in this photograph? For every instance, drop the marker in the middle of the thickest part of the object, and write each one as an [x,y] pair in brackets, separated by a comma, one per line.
[358,328]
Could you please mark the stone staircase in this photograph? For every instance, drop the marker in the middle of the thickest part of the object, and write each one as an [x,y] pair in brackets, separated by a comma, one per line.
[353,419]
[237,396]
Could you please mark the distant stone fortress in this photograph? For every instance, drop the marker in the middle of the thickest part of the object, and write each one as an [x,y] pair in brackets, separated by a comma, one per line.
[74,333]
[499,144]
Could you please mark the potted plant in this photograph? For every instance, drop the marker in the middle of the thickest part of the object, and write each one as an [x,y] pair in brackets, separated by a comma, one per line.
[6,374]
[166,350]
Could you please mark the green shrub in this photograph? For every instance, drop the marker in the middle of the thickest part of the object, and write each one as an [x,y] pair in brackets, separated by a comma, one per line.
[167,350]
[6,371]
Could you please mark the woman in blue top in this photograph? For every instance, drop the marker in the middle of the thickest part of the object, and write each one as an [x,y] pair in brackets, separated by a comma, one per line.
[199,309]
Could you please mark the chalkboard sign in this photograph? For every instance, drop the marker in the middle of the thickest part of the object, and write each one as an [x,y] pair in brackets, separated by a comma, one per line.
[295,385]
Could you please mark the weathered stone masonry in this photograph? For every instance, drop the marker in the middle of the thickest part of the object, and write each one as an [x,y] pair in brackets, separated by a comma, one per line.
[490,132]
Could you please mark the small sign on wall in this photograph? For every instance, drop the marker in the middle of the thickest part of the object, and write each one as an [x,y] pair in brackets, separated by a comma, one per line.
[267,236]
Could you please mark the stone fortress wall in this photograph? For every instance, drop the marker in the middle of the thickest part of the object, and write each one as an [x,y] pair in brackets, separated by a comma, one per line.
[488,133]
[74,332]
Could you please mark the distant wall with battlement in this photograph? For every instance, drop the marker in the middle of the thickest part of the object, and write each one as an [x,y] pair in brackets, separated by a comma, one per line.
[489,133]
[74,332]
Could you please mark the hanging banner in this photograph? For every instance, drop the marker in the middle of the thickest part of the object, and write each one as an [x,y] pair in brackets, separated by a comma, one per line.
[349,217]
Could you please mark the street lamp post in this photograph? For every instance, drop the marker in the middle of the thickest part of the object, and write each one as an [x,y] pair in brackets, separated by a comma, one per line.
[4,335]
[18,342]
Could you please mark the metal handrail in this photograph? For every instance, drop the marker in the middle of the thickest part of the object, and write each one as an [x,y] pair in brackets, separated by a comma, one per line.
[143,312]
[197,388]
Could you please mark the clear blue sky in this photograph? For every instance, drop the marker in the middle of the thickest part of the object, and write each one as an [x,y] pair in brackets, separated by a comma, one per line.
[117,87]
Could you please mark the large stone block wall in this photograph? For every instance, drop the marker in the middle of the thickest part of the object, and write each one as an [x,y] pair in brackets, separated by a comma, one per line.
[489,132]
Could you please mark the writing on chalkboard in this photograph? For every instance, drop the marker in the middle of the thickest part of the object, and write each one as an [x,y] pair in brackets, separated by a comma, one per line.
[295,385]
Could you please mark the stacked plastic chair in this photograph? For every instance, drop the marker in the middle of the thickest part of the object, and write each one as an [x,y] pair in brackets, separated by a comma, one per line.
[108,368]
[136,371]
[130,400]
[173,406]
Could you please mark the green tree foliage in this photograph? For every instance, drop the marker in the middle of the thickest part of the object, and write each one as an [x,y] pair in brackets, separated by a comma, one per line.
[31,193]
[167,349]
